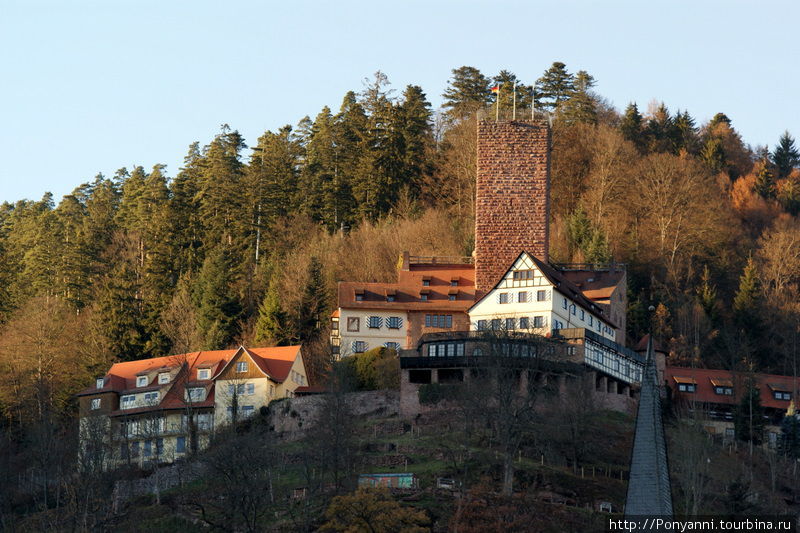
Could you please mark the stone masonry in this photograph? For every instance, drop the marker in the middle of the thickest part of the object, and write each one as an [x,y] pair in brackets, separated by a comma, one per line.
[512,198]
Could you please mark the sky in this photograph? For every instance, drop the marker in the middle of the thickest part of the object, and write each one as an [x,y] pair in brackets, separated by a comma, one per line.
[88,87]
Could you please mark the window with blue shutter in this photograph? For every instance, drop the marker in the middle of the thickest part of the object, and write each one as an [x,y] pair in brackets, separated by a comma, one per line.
[374,322]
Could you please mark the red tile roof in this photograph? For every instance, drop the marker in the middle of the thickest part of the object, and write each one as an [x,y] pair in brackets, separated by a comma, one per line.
[705,378]
[409,286]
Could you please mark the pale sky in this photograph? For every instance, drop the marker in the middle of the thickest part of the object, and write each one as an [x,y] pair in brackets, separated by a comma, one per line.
[92,86]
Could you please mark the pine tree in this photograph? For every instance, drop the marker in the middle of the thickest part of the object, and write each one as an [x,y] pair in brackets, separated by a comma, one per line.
[713,155]
[218,308]
[661,131]
[631,126]
[467,91]
[185,208]
[272,325]
[765,179]
[707,296]
[580,107]
[555,86]
[748,416]
[413,120]
[746,300]
[511,87]
[685,133]
[313,305]
[786,156]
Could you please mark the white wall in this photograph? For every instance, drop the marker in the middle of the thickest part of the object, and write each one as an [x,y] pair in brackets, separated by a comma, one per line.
[374,337]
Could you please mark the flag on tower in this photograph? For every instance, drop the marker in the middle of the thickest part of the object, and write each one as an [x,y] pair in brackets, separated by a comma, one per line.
[496,89]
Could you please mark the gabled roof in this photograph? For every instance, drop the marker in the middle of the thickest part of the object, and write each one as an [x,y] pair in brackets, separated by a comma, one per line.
[560,283]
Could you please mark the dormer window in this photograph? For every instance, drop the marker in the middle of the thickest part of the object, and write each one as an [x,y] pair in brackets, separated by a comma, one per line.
[163,378]
[390,295]
[196,394]
[426,281]
[100,383]
[141,381]
[359,295]
[204,373]
[685,384]
[423,295]
[454,282]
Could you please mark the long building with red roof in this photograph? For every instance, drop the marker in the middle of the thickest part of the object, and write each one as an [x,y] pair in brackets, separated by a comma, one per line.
[162,408]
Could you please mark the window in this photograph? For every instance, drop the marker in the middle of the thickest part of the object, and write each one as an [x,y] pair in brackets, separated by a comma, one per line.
[394,322]
[438,321]
[495,324]
[196,394]
[353,323]
[502,298]
[100,383]
[159,446]
[541,296]
[151,398]
[359,346]
[95,403]
[334,324]
[423,297]
[135,449]
[726,391]
[251,387]
[390,297]
[127,401]
[359,297]
[557,324]
[687,387]
[590,320]
[572,308]
[163,378]
[392,345]
[524,323]
[564,303]
[141,381]
[522,297]
[241,366]
[148,448]
[781,395]
[180,445]
[454,282]
[374,322]
[538,321]
[582,315]
[204,373]
[248,410]
[511,324]
[451,297]
[482,325]
[520,275]
[426,282]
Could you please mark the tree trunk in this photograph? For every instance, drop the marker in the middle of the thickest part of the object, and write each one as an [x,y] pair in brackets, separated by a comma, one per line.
[508,474]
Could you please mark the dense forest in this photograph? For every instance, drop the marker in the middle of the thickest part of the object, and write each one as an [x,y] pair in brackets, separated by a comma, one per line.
[245,245]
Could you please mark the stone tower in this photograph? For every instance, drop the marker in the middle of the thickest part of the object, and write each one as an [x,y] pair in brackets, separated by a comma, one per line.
[512,201]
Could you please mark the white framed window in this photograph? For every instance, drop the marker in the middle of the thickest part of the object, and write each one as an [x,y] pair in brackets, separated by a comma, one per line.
[564,303]
[100,383]
[151,398]
[687,387]
[204,373]
[780,395]
[141,381]
[583,315]
[127,401]
[590,321]
[241,367]
[196,394]
[573,308]
[163,378]
[95,404]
